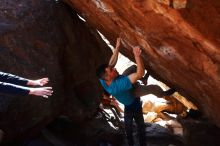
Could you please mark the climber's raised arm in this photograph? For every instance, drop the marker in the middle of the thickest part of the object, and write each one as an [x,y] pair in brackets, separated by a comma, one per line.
[140,66]
[114,58]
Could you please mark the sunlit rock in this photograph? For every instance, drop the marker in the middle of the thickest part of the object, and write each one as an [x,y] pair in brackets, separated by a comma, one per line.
[180,41]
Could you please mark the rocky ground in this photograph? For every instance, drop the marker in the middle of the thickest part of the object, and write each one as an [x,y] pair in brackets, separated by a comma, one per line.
[63,132]
[54,136]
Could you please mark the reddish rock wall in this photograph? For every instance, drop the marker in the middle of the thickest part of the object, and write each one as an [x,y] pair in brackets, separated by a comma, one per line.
[180,38]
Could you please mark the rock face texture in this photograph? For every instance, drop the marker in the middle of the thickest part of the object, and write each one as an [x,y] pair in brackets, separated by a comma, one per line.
[180,41]
[38,38]
[41,38]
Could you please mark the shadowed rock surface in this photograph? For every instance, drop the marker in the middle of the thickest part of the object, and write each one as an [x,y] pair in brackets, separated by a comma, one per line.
[45,38]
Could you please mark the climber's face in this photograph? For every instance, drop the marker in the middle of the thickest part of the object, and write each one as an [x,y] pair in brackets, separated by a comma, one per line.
[111,73]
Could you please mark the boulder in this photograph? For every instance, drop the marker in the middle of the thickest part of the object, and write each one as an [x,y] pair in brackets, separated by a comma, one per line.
[41,38]
[179,38]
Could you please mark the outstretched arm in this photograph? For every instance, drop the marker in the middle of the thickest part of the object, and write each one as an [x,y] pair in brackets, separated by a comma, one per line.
[21,90]
[140,66]
[13,89]
[113,60]
[10,78]
[13,79]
